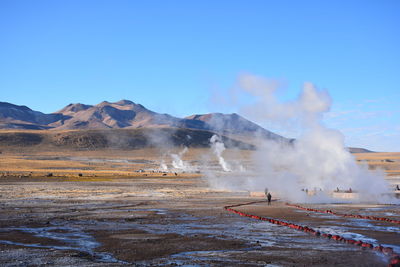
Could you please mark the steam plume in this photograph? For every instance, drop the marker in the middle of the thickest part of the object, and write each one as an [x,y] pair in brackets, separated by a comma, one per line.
[218,147]
[177,161]
[317,159]
[163,165]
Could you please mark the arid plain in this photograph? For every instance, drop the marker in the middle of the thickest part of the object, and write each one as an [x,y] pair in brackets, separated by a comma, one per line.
[82,207]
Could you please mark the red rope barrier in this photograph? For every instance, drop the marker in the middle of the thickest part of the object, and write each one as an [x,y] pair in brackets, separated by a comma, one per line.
[394,258]
[345,214]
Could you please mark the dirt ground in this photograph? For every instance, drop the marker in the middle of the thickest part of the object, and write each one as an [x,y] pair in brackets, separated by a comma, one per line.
[170,221]
[99,208]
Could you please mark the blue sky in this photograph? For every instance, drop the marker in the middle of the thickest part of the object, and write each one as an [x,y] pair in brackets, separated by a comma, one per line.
[172,56]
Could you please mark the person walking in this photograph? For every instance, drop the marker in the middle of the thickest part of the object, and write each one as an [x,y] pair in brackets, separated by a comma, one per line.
[269,198]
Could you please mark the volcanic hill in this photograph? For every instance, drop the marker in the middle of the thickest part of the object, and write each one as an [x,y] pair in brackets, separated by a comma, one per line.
[123,114]
[94,126]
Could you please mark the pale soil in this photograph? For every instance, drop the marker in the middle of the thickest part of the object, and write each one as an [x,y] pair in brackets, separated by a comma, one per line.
[124,162]
[113,215]
[389,161]
[159,221]
[104,162]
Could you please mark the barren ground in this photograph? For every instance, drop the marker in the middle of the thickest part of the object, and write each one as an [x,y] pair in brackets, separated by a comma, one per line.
[111,216]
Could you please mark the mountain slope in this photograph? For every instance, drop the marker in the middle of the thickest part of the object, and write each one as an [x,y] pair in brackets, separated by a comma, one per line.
[359,150]
[99,139]
[121,114]
[125,114]
[235,125]
[21,117]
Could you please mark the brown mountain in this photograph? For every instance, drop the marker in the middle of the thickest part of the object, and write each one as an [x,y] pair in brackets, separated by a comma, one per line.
[121,114]
[128,115]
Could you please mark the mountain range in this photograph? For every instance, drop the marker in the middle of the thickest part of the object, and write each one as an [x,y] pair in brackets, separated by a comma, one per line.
[127,115]
[133,123]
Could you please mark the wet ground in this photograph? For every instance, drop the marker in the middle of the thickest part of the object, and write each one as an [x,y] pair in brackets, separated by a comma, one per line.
[172,221]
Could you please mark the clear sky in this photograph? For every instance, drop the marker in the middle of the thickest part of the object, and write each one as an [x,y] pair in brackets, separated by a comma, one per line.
[172,56]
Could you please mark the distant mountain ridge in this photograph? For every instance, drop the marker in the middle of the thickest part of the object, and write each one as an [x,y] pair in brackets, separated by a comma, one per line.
[22,117]
[235,125]
[359,150]
[127,115]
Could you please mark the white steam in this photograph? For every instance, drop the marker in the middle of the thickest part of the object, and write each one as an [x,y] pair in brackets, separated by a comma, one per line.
[163,165]
[317,159]
[178,163]
[218,147]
